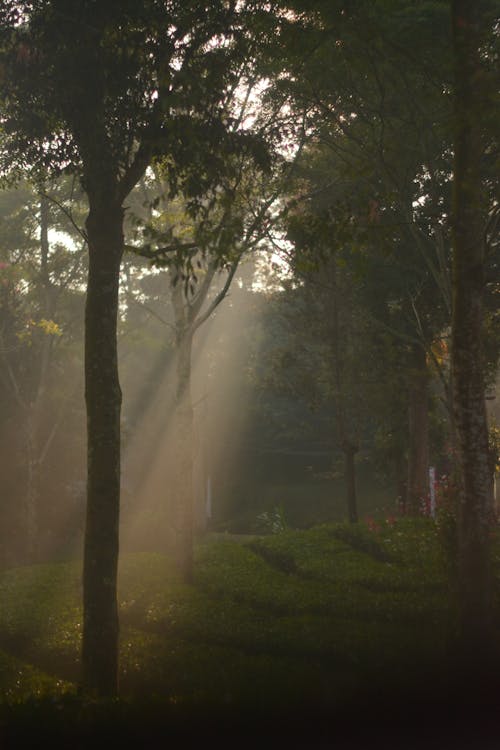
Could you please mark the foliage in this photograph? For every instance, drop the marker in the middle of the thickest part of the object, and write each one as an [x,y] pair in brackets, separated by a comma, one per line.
[375,178]
[326,617]
[41,305]
[272,521]
[326,593]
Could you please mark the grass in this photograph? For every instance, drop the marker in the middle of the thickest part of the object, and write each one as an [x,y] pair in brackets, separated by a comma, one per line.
[330,618]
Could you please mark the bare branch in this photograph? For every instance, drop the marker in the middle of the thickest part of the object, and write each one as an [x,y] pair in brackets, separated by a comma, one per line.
[67,213]
[218,299]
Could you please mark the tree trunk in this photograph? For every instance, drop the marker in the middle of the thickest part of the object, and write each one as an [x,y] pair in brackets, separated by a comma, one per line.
[418,443]
[35,400]
[32,493]
[103,399]
[184,507]
[350,450]
[401,474]
[474,584]
[348,445]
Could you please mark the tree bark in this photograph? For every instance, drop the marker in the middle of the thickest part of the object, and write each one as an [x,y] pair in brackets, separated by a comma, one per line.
[474,575]
[184,505]
[418,427]
[103,400]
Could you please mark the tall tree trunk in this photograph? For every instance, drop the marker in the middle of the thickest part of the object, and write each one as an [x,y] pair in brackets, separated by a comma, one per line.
[183,486]
[474,584]
[35,400]
[348,444]
[418,426]
[103,399]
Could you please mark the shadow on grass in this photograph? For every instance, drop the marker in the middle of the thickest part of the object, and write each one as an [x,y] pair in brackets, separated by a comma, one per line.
[433,711]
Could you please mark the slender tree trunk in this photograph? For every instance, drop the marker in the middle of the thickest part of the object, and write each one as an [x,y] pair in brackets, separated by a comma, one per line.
[35,399]
[350,449]
[32,496]
[184,505]
[349,445]
[418,426]
[474,584]
[103,399]
[44,256]
[401,474]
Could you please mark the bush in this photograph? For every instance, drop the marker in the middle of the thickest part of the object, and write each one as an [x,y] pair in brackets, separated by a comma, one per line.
[302,611]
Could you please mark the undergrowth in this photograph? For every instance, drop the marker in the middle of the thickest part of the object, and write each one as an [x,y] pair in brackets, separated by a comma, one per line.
[291,618]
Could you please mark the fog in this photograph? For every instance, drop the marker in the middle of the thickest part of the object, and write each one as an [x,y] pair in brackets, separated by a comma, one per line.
[150,478]
[257,444]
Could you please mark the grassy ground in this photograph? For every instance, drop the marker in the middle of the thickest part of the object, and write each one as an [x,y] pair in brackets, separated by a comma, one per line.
[323,633]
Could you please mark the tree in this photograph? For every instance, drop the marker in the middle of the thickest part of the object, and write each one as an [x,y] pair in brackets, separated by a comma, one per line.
[377,133]
[385,98]
[191,268]
[471,86]
[102,90]
[396,295]
[322,267]
[202,249]
[39,280]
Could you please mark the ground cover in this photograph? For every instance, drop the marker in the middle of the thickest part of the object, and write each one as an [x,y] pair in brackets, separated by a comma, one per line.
[322,620]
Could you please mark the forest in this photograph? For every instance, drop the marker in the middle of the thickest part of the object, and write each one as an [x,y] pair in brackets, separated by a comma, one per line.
[249,368]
